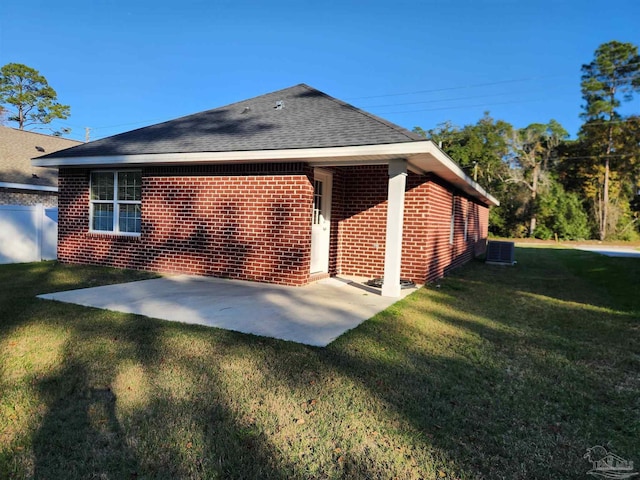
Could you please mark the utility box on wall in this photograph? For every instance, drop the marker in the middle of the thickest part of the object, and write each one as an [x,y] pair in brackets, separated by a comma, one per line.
[501,253]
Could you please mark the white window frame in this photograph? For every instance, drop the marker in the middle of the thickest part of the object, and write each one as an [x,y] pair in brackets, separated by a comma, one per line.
[453,219]
[115,202]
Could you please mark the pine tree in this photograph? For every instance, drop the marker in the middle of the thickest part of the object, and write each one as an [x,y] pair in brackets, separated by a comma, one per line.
[613,74]
[23,88]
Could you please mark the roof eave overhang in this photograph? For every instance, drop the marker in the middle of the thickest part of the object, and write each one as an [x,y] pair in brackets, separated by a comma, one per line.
[422,157]
[28,186]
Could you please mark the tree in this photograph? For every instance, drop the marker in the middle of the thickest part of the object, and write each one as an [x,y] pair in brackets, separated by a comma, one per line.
[480,149]
[29,93]
[532,149]
[584,171]
[613,73]
[560,213]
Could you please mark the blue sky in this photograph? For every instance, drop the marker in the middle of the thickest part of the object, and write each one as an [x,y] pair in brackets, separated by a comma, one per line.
[126,64]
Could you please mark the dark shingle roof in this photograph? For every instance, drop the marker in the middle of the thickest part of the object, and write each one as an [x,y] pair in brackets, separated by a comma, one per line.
[308,119]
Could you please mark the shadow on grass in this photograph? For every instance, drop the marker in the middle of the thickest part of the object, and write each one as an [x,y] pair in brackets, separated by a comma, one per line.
[572,275]
[181,428]
[499,373]
[80,436]
[507,372]
[87,425]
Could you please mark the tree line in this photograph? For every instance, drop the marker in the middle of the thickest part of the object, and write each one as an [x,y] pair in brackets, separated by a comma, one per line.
[550,186]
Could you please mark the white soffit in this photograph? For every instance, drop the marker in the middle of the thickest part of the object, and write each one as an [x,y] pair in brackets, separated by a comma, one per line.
[422,157]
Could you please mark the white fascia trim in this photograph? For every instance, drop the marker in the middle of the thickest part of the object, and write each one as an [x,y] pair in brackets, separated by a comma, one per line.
[396,149]
[348,163]
[26,186]
[331,155]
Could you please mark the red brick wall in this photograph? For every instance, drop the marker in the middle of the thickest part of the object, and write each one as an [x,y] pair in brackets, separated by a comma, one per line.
[253,222]
[245,226]
[363,221]
[337,214]
[442,254]
[426,249]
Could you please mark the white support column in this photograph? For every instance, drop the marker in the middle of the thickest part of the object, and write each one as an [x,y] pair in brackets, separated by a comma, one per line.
[395,221]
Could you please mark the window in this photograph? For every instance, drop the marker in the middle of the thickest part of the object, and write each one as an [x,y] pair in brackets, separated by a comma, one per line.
[466,224]
[453,218]
[317,202]
[116,202]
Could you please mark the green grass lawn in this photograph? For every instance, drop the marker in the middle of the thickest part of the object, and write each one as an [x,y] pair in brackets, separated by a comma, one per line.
[493,373]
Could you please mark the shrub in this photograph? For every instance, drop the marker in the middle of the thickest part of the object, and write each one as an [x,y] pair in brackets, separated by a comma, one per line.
[562,213]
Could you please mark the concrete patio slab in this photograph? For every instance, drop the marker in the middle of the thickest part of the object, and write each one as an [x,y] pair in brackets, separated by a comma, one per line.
[315,314]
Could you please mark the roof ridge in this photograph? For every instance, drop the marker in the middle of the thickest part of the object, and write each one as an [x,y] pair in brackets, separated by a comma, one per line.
[257,97]
[41,134]
[384,122]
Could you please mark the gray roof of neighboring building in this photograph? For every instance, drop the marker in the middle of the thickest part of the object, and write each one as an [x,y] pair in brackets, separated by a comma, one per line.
[17,147]
[308,118]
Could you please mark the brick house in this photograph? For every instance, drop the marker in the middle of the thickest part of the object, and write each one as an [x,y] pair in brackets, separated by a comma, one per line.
[20,182]
[287,188]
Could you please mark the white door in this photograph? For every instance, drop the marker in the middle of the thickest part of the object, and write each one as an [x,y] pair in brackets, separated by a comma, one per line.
[321,221]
